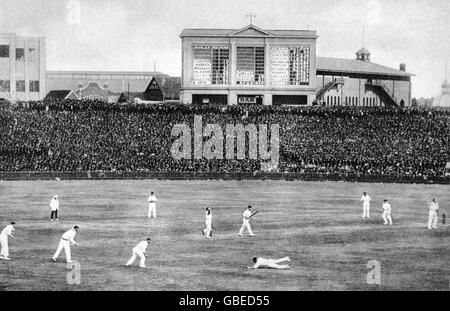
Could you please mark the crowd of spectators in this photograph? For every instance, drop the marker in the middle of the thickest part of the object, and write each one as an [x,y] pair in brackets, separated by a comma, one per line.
[94,136]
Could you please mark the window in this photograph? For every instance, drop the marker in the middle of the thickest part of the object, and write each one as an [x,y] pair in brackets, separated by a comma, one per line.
[211,65]
[34,86]
[290,65]
[250,66]
[4,85]
[20,55]
[32,54]
[220,66]
[4,50]
[20,86]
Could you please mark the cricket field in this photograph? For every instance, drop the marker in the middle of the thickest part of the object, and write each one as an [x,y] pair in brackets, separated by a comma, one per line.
[317,224]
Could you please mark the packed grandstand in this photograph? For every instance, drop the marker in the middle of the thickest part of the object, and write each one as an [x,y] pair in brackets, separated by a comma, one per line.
[89,136]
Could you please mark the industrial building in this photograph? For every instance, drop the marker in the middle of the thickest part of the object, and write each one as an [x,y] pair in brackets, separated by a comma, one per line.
[22,67]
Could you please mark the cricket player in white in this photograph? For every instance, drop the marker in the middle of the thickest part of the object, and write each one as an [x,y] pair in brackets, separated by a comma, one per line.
[246,222]
[387,210]
[208,221]
[152,205]
[8,231]
[433,214]
[54,206]
[366,205]
[269,263]
[66,239]
[140,250]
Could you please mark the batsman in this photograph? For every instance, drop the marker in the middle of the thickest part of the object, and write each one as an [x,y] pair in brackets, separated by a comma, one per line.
[246,221]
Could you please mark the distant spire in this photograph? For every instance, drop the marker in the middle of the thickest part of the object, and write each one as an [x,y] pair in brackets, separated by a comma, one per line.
[363,54]
[364,39]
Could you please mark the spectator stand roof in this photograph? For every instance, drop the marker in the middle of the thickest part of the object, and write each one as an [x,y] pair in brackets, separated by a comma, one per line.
[170,86]
[94,91]
[57,95]
[159,89]
[342,66]
[153,91]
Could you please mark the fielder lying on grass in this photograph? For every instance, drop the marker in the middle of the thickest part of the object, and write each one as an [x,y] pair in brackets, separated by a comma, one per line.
[269,263]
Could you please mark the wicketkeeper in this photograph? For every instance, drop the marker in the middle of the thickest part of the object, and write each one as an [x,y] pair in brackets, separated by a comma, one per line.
[140,250]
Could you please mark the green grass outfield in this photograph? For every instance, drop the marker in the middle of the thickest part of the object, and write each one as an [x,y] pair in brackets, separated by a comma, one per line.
[317,224]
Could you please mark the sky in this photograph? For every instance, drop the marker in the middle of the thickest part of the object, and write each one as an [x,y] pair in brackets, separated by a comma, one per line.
[130,35]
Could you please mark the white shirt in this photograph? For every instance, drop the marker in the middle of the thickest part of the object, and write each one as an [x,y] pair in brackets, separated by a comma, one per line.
[387,207]
[365,199]
[142,246]
[208,217]
[152,199]
[434,206]
[246,214]
[9,229]
[260,262]
[69,236]
[54,204]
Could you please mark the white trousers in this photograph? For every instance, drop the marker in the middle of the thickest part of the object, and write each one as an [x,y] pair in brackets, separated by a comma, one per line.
[208,228]
[246,225]
[136,253]
[366,210]
[432,220]
[66,245]
[151,210]
[4,245]
[275,263]
[387,218]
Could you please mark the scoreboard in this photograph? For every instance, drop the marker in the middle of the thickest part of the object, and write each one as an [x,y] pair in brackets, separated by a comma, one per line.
[210,64]
[290,65]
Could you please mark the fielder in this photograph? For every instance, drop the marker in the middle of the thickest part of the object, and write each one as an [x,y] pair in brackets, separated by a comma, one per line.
[139,250]
[270,263]
[54,206]
[433,214]
[207,232]
[387,210]
[152,205]
[366,205]
[246,221]
[66,239]
[7,232]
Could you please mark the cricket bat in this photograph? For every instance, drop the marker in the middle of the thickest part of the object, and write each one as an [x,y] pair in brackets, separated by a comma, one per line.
[253,214]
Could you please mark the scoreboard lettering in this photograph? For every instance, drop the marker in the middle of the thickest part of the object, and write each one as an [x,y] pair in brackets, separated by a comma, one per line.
[210,64]
[290,65]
